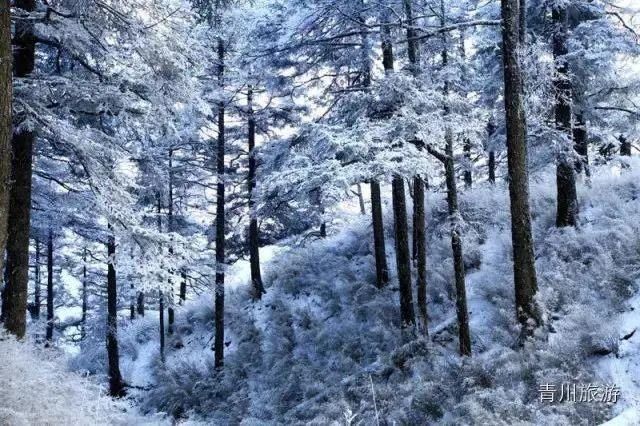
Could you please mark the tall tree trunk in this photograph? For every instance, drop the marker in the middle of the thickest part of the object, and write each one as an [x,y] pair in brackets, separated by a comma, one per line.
[18,227]
[580,137]
[85,294]
[161,319]
[491,130]
[6,124]
[421,252]
[379,247]
[254,240]
[50,307]
[171,229]
[403,256]
[380,252]
[521,235]
[218,346]
[464,335]
[116,386]
[36,291]
[565,174]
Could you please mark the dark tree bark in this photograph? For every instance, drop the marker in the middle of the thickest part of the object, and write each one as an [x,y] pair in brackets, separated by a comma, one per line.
[491,129]
[183,287]
[580,137]
[468,177]
[625,146]
[6,124]
[522,22]
[567,212]
[36,291]
[17,267]
[218,346]
[140,304]
[413,51]
[492,167]
[462,311]
[380,252]
[50,307]
[524,271]
[458,258]
[403,257]
[254,240]
[421,252]
[116,385]
[132,303]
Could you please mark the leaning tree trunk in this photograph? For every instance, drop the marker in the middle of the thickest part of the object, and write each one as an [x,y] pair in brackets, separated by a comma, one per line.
[218,346]
[567,210]
[254,241]
[521,235]
[6,125]
[116,385]
[50,307]
[17,267]
[462,311]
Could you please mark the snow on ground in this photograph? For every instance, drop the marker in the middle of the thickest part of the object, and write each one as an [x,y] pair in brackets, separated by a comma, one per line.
[624,369]
[36,390]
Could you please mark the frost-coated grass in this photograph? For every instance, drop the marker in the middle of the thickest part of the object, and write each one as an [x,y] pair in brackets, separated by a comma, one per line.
[37,390]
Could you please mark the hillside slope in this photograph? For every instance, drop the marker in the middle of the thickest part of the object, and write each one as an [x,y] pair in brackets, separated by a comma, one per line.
[325,345]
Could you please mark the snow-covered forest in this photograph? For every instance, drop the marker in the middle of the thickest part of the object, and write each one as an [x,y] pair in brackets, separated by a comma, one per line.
[326,212]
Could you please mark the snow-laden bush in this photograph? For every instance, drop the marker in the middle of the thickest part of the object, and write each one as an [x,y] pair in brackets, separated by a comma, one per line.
[37,390]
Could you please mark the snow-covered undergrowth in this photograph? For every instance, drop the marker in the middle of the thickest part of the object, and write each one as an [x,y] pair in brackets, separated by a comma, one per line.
[37,390]
[325,345]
